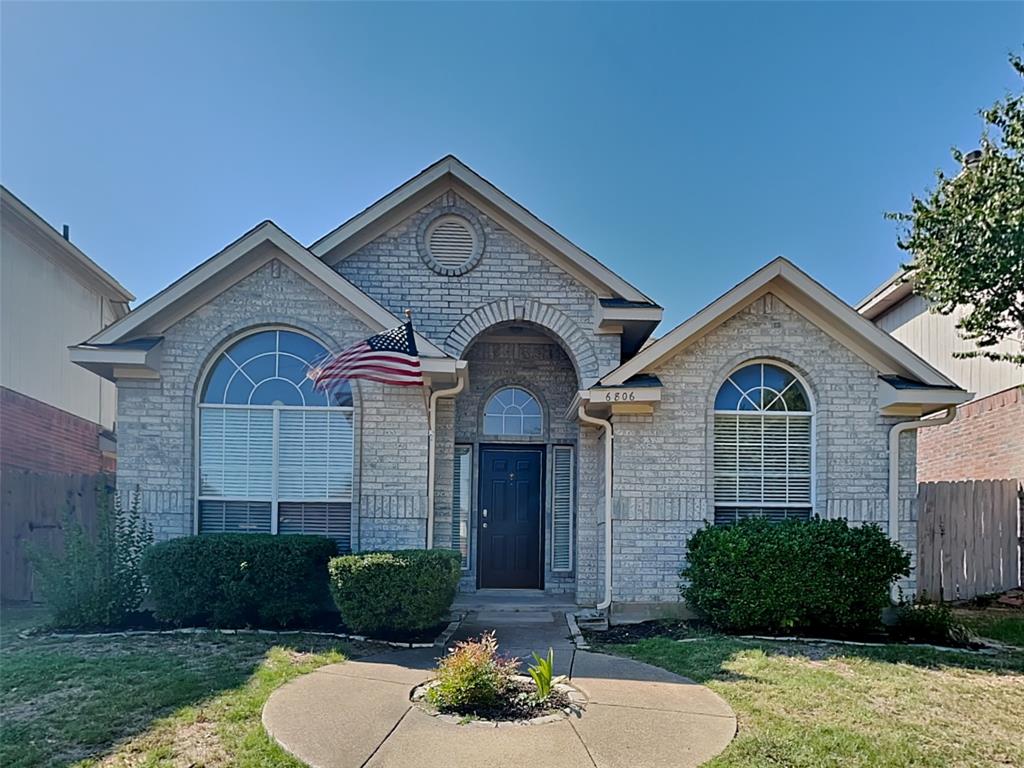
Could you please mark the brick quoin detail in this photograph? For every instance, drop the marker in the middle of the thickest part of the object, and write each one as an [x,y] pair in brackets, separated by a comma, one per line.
[984,442]
[39,437]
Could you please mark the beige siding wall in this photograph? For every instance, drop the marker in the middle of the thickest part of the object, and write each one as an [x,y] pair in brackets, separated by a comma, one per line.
[44,309]
[935,338]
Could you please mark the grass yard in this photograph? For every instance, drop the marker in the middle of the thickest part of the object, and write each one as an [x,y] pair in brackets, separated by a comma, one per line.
[820,706]
[192,700]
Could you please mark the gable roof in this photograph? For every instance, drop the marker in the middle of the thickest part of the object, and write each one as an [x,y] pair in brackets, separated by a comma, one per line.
[887,295]
[69,254]
[222,269]
[450,171]
[814,302]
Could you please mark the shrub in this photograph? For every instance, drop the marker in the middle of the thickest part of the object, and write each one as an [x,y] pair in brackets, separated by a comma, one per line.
[472,677]
[239,579]
[96,581]
[797,576]
[925,622]
[394,592]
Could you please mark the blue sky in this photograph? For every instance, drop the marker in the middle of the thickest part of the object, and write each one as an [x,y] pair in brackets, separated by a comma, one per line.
[683,145]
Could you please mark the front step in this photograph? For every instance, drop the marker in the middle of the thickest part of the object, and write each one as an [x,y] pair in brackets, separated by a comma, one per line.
[511,601]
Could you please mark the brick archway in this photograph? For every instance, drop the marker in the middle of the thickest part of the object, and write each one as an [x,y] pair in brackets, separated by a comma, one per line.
[569,335]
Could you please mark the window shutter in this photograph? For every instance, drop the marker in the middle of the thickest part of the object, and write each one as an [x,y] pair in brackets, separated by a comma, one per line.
[562,503]
[234,517]
[236,452]
[461,496]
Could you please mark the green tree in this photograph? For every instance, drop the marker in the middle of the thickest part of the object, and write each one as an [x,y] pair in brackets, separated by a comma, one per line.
[966,236]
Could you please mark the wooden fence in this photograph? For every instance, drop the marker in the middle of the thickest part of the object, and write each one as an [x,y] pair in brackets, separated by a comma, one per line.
[968,538]
[32,511]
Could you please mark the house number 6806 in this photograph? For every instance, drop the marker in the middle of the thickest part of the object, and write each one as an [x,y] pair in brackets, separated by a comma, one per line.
[619,397]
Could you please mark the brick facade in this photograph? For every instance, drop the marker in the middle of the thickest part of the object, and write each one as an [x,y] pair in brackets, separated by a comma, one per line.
[663,462]
[38,437]
[984,442]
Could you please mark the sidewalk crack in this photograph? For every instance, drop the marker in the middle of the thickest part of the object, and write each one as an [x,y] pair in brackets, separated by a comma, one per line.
[386,737]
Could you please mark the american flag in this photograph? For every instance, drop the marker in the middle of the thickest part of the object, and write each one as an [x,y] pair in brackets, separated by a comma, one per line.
[388,357]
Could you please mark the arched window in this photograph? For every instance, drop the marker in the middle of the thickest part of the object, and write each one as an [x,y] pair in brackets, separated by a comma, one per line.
[763,445]
[275,455]
[513,412]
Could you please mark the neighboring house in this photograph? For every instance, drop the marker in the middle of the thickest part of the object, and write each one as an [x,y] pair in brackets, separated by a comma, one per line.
[986,439]
[549,423]
[56,419]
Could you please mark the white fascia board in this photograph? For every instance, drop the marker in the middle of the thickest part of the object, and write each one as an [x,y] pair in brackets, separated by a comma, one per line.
[893,401]
[113,363]
[577,258]
[616,316]
[348,295]
[831,314]
[886,296]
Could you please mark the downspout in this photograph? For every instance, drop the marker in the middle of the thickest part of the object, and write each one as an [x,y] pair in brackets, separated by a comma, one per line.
[608,436]
[894,464]
[432,451]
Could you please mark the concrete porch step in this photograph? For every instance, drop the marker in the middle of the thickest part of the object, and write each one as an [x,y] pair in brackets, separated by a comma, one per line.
[512,601]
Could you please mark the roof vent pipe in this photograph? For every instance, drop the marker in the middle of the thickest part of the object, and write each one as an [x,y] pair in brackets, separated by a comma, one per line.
[67,232]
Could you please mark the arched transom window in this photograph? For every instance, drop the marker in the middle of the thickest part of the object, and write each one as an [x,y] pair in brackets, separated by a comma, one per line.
[513,412]
[763,445]
[275,455]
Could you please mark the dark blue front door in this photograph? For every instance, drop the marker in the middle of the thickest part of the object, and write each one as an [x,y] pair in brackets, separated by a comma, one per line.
[510,518]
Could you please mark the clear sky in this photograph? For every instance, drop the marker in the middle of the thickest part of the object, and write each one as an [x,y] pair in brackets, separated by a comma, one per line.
[683,145]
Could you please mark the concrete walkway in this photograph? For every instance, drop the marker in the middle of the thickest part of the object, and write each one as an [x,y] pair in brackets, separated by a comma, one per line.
[358,713]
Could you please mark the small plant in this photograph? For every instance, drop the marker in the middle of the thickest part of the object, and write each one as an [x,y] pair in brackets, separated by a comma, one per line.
[472,677]
[97,580]
[542,674]
[925,622]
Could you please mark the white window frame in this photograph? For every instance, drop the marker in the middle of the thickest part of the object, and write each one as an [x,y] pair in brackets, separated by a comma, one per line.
[812,413]
[274,499]
[509,435]
[466,449]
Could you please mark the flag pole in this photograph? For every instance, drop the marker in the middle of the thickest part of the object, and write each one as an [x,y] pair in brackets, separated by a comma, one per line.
[426,395]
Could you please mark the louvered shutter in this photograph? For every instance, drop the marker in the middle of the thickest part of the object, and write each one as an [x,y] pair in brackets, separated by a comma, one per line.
[314,455]
[234,516]
[322,518]
[562,503]
[461,496]
[236,456]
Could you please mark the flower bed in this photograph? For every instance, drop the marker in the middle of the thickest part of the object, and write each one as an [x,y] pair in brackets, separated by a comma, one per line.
[517,704]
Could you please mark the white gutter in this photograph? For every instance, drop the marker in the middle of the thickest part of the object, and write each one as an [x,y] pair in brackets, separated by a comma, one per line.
[431,451]
[608,436]
[894,464]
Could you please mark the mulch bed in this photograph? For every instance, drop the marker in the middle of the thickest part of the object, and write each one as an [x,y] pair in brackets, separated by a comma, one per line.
[519,704]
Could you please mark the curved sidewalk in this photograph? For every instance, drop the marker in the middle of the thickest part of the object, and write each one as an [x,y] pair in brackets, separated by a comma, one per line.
[358,714]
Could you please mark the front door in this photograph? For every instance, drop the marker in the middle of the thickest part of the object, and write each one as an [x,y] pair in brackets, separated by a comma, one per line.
[510,518]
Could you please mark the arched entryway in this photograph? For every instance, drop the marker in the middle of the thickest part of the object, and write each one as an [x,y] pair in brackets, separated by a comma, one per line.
[515,460]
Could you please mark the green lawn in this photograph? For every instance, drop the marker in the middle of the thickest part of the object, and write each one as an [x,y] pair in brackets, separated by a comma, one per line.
[819,706]
[145,701]
[195,701]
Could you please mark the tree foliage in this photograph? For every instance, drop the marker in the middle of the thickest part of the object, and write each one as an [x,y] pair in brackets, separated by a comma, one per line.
[966,235]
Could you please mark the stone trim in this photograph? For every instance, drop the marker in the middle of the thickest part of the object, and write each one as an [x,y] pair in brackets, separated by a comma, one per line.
[576,343]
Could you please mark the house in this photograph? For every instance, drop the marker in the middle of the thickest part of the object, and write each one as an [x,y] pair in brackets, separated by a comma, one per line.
[552,447]
[56,419]
[986,439]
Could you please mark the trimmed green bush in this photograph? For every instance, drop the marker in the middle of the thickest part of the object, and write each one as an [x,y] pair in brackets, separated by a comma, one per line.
[796,576]
[239,579]
[394,592]
[924,622]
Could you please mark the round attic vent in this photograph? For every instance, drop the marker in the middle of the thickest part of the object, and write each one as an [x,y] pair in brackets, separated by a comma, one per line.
[451,243]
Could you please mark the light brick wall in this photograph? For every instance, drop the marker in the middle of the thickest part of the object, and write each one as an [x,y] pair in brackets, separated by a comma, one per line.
[510,274]
[156,418]
[663,462]
[984,442]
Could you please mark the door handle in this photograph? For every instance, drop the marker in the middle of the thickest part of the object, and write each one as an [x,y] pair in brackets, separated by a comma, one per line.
[484,513]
